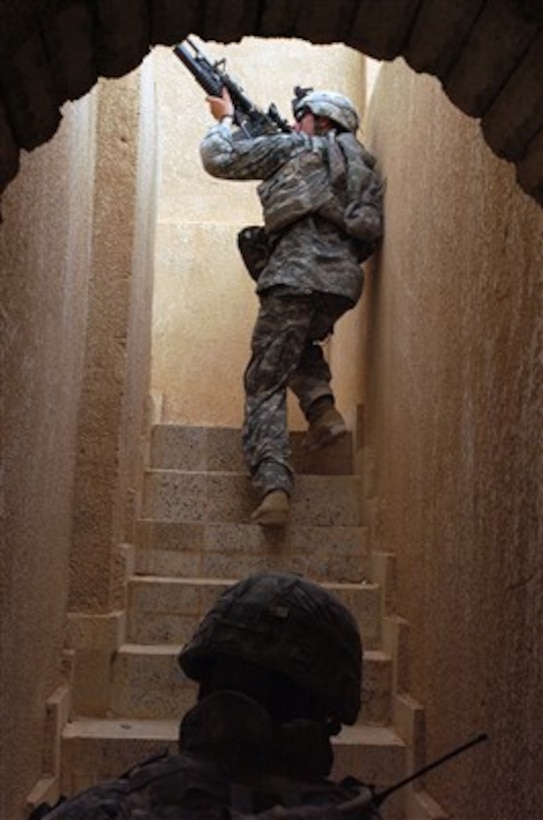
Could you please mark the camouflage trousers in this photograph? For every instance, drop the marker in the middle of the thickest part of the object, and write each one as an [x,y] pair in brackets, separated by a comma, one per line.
[285,353]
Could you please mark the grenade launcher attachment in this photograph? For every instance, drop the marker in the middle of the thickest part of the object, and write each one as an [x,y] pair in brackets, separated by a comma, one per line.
[212,77]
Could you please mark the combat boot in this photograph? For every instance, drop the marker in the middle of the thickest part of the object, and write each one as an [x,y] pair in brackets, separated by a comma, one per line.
[273,510]
[324,430]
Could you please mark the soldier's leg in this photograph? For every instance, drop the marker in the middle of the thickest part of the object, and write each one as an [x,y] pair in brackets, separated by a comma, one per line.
[277,344]
[311,379]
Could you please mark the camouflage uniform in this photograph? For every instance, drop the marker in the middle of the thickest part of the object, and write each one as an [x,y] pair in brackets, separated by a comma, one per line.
[313,274]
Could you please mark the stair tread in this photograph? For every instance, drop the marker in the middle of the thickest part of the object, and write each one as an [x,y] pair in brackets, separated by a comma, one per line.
[133,648]
[228,497]
[122,729]
[220,448]
[150,519]
[172,579]
[216,428]
[243,474]
[128,728]
[372,735]
[332,552]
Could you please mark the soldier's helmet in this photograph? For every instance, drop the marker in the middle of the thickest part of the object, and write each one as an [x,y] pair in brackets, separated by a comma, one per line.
[288,625]
[329,104]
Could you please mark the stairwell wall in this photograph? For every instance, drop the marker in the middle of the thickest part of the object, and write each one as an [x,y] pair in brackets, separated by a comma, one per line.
[454,364]
[76,264]
[45,242]
[116,367]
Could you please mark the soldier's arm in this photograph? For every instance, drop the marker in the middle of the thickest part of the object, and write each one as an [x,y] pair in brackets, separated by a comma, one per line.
[227,155]
[102,802]
[364,216]
[363,809]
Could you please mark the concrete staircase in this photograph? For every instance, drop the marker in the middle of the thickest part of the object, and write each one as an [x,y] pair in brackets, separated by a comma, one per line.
[194,539]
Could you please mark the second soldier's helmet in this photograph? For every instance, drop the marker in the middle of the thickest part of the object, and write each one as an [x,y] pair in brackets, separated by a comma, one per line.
[329,104]
[286,624]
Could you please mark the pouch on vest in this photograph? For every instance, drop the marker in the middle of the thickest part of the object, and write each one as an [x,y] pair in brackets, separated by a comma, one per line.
[363,214]
[254,247]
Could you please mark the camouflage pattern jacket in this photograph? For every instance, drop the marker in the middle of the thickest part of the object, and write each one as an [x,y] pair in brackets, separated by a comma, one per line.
[321,198]
[234,765]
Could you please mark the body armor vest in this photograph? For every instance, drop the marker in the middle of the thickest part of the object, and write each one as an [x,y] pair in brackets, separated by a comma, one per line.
[300,187]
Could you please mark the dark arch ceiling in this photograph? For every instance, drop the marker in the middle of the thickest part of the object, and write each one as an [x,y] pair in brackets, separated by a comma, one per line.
[487,54]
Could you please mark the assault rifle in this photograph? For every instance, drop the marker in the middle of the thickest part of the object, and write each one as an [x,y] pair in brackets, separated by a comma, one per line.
[371,800]
[212,77]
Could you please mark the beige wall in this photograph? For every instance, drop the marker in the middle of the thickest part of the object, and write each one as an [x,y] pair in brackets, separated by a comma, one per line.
[455,410]
[44,263]
[114,414]
[204,299]
[116,375]
[76,266]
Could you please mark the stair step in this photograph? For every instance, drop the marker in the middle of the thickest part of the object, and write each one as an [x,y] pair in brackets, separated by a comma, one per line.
[193,541]
[102,749]
[172,548]
[167,610]
[373,754]
[198,497]
[218,449]
[147,682]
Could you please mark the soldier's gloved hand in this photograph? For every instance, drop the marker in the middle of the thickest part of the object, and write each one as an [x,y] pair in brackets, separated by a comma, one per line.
[221,106]
[295,813]
[361,807]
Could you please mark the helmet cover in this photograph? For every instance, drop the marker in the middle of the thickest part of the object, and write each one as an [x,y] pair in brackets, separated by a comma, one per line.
[289,625]
[331,104]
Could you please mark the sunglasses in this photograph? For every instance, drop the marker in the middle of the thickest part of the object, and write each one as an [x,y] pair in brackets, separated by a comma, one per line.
[300,114]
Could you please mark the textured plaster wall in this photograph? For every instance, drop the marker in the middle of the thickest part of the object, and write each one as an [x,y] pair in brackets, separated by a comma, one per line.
[205,305]
[116,368]
[76,264]
[44,268]
[455,404]
[136,413]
